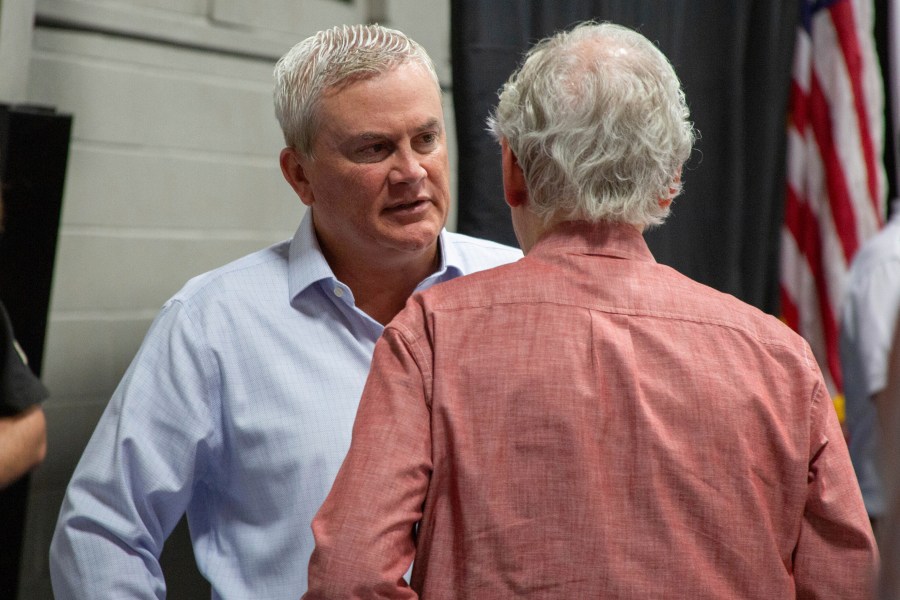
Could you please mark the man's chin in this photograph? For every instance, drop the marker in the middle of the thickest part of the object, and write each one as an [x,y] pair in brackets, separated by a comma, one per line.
[415,244]
[416,237]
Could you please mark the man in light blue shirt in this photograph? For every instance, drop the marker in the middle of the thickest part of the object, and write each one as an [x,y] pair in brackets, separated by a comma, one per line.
[238,407]
[868,319]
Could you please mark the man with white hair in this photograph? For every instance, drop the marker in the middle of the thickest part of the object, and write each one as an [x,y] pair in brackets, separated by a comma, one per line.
[238,407]
[587,423]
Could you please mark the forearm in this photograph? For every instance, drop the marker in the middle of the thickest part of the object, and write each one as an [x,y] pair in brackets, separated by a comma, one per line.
[91,560]
[364,530]
[23,444]
[119,505]
[836,555]
[137,474]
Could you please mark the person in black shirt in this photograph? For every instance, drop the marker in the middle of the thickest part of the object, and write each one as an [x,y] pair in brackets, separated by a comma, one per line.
[23,428]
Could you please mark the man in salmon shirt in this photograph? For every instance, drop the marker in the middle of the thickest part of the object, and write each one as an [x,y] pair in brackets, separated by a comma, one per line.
[588,423]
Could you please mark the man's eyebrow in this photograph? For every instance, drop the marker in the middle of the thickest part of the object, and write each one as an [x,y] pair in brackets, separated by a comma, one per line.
[369,135]
[430,124]
[365,136]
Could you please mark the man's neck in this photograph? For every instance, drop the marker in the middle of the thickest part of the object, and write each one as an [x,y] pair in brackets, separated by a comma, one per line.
[381,288]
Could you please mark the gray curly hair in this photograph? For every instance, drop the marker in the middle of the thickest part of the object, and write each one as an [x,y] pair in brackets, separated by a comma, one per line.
[599,124]
[330,59]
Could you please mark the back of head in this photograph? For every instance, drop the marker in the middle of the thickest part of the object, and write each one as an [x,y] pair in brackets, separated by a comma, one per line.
[328,60]
[599,124]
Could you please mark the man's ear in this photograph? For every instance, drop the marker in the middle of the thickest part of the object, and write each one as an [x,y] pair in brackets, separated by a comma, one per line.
[294,174]
[514,188]
[666,202]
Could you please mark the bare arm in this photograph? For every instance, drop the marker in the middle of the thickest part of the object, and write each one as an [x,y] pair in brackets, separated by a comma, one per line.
[23,444]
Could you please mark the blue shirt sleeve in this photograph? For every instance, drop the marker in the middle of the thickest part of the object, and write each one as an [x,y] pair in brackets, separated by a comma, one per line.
[136,475]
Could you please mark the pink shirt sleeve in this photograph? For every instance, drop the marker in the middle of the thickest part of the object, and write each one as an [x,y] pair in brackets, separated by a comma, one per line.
[364,530]
[835,546]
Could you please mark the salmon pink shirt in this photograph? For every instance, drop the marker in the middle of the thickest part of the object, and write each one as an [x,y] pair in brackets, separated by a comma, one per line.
[588,423]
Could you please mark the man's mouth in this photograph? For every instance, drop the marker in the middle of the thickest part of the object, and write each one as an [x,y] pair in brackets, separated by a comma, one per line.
[407,206]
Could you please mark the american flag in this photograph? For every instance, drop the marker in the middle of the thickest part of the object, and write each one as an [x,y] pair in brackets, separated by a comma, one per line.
[836,186]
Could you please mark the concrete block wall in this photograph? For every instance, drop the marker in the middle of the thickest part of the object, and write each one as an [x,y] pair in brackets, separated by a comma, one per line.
[172,171]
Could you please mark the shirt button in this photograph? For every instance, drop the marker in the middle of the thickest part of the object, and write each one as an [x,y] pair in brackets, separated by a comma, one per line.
[339,292]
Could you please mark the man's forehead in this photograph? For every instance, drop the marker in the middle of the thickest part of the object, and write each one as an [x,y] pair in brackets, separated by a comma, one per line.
[398,102]
[362,76]
[403,99]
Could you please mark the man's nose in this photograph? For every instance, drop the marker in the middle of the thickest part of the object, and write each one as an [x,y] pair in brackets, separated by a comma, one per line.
[407,167]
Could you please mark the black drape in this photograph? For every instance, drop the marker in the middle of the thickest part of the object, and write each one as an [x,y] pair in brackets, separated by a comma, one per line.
[734,60]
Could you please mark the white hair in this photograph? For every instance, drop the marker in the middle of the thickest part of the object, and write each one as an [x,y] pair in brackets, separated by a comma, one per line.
[330,59]
[599,124]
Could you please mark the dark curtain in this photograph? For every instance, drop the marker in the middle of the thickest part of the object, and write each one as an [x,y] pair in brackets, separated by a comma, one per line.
[734,60]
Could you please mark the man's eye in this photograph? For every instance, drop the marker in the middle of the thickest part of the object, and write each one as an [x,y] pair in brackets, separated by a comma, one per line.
[372,152]
[374,149]
[429,140]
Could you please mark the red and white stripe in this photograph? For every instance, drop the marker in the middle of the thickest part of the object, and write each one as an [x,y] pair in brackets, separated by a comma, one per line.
[836,185]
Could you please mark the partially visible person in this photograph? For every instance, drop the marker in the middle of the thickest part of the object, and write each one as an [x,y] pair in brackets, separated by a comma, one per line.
[239,404]
[868,320]
[23,427]
[887,404]
[587,423]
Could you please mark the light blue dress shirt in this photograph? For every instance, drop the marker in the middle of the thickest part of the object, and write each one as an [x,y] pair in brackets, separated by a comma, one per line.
[237,410]
[868,318]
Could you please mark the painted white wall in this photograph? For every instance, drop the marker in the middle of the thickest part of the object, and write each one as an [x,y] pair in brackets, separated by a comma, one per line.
[172,171]
[16,17]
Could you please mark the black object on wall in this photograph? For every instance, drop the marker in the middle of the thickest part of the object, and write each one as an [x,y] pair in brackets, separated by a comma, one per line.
[734,61]
[34,148]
